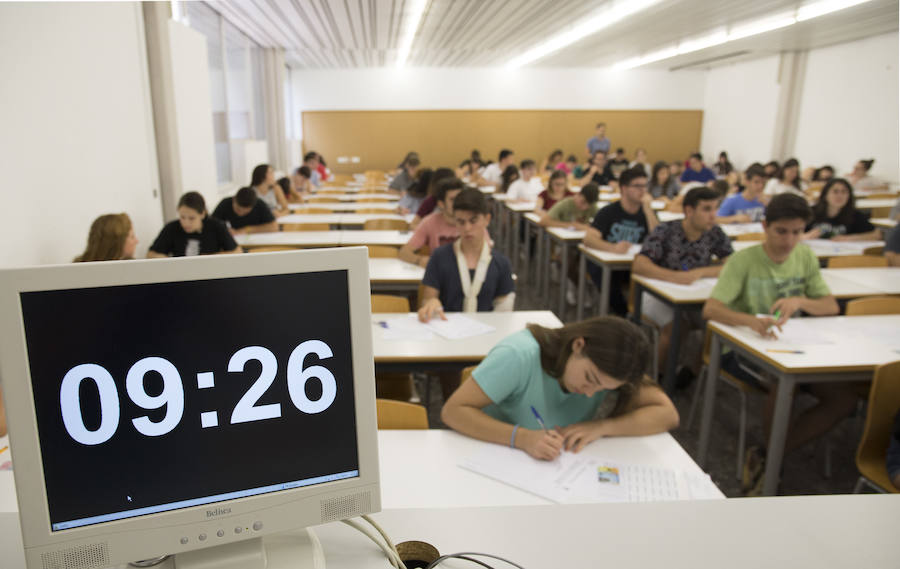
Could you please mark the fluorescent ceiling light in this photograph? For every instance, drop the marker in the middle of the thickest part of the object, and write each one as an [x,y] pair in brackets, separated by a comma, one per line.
[599,21]
[803,13]
[413,19]
[817,9]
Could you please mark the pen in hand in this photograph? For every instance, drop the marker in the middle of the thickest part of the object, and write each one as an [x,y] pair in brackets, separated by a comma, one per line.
[540,420]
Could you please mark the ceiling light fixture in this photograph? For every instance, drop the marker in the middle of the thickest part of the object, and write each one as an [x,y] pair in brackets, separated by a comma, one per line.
[599,21]
[413,19]
[765,25]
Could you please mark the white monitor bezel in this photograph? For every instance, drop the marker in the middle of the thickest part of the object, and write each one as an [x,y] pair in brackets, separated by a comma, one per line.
[156,534]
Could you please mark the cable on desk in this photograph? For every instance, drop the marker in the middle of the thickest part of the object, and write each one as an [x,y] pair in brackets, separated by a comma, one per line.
[384,535]
[395,560]
[465,554]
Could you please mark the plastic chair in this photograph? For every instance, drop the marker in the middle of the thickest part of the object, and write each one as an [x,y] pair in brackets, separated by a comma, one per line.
[315,210]
[394,224]
[305,227]
[750,237]
[873,305]
[375,210]
[878,250]
[884,403]
[382,252]
[389,303]
[321,199]
[400,415]
[849,261]
[373,200]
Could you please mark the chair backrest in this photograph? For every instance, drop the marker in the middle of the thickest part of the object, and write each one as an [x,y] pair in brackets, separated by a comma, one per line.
[751,237]
[881,212]
[321,199]
[389,303]
[272,248]
[305,227]
[375,210]
[400,415]
[397,224]
[331,191]
[873,305]
[849,261]
[878,196]
[373,200]
[877,251]
[884,403]
[382,252]
[466,374]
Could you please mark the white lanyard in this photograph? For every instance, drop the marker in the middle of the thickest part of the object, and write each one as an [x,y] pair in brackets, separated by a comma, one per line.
[471,287]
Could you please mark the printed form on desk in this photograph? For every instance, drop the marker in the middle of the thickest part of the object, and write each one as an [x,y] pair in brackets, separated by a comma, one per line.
[579,478]
[456,327]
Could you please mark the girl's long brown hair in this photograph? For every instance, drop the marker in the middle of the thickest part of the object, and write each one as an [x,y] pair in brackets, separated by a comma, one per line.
[106,239]
[617,347]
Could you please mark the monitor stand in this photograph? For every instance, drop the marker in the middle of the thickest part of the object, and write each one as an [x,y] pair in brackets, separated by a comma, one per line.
[298,549]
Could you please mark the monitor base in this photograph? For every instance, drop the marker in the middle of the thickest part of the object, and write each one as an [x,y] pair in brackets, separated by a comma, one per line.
[299,549]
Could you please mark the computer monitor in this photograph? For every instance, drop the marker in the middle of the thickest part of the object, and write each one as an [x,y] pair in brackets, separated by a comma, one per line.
[200,407]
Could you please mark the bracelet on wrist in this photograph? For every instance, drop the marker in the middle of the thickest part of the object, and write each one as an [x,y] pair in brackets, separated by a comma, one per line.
[512,439]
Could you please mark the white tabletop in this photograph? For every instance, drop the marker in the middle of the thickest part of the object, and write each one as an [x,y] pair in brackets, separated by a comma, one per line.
[854,343]
[438,349]
[351,197]
[831,248]
[665,216]
[339,207]
[606,257]
[393,271]
[886,280]
[884,222]
[566,234]
[735,229]
[487,189]
[441,483]
[374,237]
[520,206]
[532,217]
[290,238]
[341,218]
[869,203]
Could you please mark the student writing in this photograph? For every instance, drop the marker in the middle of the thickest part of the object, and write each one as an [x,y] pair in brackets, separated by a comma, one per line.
[193,233]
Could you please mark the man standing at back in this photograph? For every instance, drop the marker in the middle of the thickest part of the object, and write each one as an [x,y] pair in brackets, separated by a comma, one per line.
[598,142]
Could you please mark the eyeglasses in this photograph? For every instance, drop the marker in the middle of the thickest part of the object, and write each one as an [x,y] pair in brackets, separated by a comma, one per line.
[638,186]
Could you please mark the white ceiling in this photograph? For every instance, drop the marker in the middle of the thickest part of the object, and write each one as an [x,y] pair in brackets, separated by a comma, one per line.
[488,33]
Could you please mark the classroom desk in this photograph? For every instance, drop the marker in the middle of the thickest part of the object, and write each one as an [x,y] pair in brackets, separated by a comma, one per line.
[824,248]
[341,219]
[541,259]
[843,284]
[441,483]
[734,229]
[665,216]
[339,207]
[870,203]
[353,197]
[858,345]
[513,212]
[884,222]
[608,262]
[334,238]
[394,275]
[438,353]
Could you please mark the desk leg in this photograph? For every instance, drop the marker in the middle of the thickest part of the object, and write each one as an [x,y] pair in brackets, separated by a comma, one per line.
[709,398]
[780,419]
[605,279]
[672,353]
[543,278]
[638,300]
[514,227]
[523,274]
[563,278]
[582,269]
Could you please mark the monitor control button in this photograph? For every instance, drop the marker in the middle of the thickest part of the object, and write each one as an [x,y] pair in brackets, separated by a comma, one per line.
[220,533]
[257,526]
[184,541]
[202,537]
[238,529]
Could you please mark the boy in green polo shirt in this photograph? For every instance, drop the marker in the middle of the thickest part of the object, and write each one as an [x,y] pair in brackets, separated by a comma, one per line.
[780,276]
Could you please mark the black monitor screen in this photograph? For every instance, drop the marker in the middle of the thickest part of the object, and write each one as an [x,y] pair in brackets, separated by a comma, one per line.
[155,397]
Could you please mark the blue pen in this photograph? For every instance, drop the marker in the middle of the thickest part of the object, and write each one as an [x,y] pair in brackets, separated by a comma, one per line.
[684,266]
[383,324]
[540,420]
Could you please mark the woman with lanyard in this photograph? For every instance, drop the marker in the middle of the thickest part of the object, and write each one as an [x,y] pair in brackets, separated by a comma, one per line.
[546,390]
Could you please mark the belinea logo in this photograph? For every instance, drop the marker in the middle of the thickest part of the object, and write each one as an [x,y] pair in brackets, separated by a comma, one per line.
[217,512]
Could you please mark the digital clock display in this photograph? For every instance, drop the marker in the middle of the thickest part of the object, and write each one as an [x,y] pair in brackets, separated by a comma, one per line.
[155,397]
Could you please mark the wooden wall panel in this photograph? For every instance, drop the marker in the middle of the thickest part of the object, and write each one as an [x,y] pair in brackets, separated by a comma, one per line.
[444,138]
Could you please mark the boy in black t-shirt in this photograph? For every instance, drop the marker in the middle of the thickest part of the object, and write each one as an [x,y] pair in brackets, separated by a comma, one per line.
[193,233]
[245,213]
[618,226]
[598,172]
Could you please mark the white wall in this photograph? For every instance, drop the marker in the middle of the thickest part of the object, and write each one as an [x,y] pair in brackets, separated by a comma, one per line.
[76,139]
[849,107]
[740,105]
[193,113]
[247,154]
[453,88]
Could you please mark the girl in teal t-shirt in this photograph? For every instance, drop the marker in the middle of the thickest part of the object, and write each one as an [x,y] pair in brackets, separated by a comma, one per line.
[566,374]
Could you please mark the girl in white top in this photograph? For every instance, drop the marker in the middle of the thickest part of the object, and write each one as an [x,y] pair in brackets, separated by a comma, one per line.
[786,181]
[268,191]
[861,179]
[640,159]
[526,188]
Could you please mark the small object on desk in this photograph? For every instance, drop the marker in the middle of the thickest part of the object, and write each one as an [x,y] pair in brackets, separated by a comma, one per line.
[383,324]
[457,326]
[786,351]
[2,450]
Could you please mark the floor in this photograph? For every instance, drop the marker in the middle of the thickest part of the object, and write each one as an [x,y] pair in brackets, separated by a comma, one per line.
[804,470]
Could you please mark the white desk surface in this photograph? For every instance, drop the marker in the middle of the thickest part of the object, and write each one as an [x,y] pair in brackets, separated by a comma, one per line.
[333,238]
[394,271]
[885,279]
[520,206]
[869,203]
[438,349]
[857,343]
[606,257]
[440,482]
[343,207]
[566,234]
[532,217]
[340,218]
[841,282]
[886,222]
[352,197]
[500,197]
[487,189]
[665,216]
[735,229]
[830,248]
